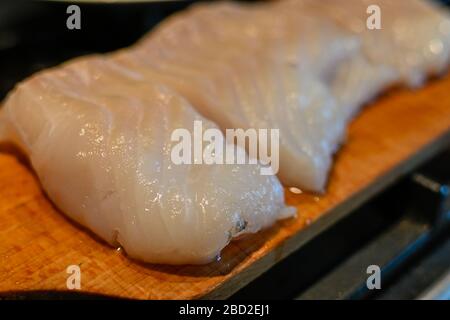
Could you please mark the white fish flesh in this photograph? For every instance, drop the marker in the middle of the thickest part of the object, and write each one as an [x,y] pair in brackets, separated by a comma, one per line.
[414,39]
[412,44]
[99,140]
[253,67]
[97,130]
[304,67]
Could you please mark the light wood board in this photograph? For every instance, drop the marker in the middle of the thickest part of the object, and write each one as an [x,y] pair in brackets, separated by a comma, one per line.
[37,243]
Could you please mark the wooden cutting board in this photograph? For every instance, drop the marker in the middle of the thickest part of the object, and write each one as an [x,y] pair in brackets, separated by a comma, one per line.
[37,243]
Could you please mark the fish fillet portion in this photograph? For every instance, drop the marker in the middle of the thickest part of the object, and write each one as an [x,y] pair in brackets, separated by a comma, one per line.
[98,129]
[99,139]
[304,67]
[414,39]
[253,67]
[412,44]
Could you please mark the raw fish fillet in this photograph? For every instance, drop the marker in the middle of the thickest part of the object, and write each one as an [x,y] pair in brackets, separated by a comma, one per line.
[414,40]
[256,67]
[304,67]
[98,137]
[413,44]
[97,130]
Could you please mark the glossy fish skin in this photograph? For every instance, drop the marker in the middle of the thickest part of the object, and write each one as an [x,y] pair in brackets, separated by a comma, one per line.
[99,140]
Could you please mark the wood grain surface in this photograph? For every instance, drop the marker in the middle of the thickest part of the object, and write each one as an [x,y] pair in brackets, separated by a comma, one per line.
[37,243]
